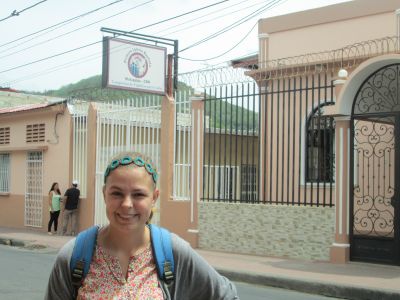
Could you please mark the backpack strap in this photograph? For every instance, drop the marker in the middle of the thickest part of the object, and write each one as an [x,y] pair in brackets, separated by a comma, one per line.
[82,256]
[162,248]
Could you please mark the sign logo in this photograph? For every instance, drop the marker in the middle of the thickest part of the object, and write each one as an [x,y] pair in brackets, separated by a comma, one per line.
[138,65]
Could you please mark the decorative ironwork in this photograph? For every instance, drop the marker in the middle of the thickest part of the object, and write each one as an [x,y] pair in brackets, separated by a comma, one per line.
[374,178]
[379,93]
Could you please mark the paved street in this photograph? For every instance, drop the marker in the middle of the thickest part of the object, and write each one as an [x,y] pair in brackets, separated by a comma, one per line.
[24,274]
[349,281]
[258,292]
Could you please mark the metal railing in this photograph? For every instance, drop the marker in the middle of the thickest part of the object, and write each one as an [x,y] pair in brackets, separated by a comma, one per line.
[270,144]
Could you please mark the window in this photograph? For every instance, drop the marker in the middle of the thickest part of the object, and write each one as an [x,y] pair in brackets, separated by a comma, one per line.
[320,155]
[4,135]
[248,182]
[35,133]
[4,173]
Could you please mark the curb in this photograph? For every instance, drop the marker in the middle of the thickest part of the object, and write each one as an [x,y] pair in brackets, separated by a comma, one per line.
[311,287]
[12,242]
[22,244]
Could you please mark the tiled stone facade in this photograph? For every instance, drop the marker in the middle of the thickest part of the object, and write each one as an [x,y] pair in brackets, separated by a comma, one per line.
[263,229]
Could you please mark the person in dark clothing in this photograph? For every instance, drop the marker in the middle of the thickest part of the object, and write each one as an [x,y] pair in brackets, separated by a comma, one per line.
[70,209]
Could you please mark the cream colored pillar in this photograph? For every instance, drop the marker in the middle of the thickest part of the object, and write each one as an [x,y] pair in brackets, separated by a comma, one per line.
[197,164]
[181,217]
[167,161]
[397,14]
[87,206]
[264,150]
[263,49]
[340,250]
[263,56]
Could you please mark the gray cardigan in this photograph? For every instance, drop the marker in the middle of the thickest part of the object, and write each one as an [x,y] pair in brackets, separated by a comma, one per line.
[195,279]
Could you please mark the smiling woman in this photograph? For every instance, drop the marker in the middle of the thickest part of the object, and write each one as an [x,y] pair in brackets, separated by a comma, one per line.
[123,264]
[130,193]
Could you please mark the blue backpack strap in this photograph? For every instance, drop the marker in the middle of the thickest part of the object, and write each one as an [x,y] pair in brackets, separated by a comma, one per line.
[82,256]
[162,248]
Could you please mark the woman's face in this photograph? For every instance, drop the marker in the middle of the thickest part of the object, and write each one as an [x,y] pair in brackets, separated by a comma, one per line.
[56,187]
[129,195]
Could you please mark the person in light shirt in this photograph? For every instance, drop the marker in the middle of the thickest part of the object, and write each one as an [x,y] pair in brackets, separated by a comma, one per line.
[54,207]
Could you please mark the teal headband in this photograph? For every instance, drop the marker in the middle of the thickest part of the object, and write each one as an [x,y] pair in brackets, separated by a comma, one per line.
[127,160]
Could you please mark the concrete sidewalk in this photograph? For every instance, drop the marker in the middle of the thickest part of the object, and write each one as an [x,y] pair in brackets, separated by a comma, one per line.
[348,281]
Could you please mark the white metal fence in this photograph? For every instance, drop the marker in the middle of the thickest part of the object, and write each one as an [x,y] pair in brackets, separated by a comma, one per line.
[132,125]
[183,148]
[79,113]
[222,182]
[129,125]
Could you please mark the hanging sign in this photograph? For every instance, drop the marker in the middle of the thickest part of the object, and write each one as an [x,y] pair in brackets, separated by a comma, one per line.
[133,66]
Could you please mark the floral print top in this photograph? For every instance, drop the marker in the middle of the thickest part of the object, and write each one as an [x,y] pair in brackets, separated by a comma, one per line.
[106,281]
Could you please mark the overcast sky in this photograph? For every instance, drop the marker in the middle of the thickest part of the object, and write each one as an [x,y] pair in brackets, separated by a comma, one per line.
[19,45]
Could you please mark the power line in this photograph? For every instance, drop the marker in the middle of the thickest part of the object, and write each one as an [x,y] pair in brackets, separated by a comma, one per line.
[61,23]
[235,24]
[222,54]
[40,43]
[99,54]
[69,32]
[56,68]
[91,44]
[16,13]
[178,16]
[49,57]
[209,20]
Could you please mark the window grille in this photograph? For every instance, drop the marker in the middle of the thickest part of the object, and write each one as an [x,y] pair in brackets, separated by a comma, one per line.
[34,189]
[4,173]
[320,153]
[35,133]
[4,135]
[248,182]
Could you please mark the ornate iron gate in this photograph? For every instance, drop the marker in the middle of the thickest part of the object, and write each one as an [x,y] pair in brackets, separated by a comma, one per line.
[375,171]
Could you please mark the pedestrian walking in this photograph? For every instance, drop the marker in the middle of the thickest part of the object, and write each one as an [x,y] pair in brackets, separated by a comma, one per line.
[54,207]
[123,264]
[70,210]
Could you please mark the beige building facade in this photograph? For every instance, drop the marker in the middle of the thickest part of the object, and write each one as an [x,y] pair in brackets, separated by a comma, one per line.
[35,151]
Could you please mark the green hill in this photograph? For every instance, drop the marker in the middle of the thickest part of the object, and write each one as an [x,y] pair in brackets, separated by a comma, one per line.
[222,114]
[10,99]
[90,89]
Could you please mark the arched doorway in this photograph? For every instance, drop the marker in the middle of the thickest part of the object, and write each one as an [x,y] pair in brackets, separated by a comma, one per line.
[375,168]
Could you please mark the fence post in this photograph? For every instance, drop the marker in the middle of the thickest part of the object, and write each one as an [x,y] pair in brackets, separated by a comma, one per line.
[397,13]
[196,174]
[340,250]
[87,219]
[167,160]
